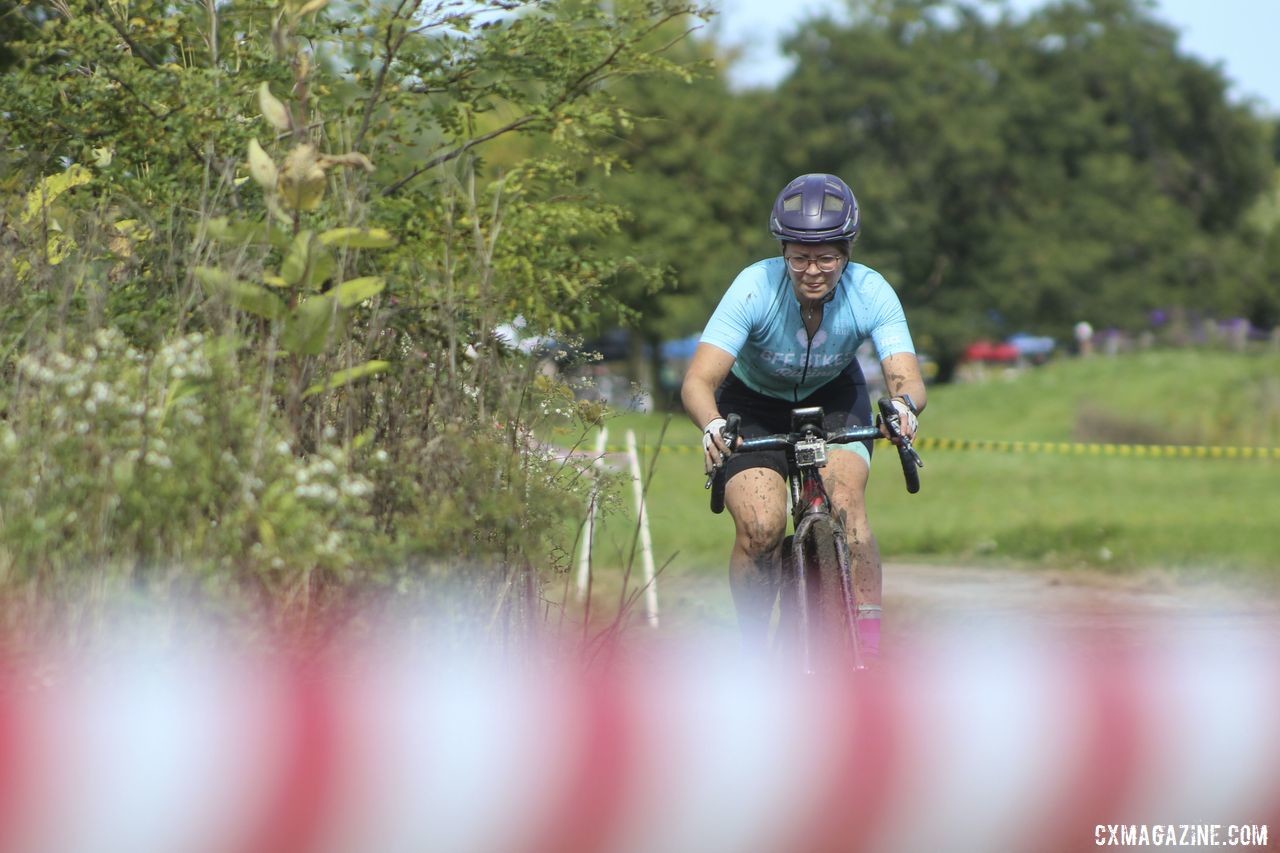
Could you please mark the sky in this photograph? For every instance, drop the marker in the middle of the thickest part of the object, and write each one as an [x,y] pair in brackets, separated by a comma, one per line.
[1241,35]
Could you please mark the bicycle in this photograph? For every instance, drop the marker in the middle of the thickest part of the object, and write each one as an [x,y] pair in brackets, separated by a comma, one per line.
[817,601]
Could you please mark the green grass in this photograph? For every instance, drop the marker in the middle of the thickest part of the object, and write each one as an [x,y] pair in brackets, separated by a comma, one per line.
[1190,516]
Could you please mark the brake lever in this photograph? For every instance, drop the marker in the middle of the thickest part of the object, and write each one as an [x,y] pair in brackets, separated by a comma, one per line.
[910,451]
[730,435]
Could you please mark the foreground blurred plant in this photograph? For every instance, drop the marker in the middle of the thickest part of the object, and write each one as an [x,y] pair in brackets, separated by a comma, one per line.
[133,463]
[258,349]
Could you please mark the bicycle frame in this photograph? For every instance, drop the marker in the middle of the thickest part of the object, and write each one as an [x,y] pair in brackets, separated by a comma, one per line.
[810,505]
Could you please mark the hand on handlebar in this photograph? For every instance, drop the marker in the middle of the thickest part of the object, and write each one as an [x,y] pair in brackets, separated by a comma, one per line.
[714,448]
[907,421]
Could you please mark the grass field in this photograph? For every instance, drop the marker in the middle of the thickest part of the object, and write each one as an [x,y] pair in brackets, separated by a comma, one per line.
[1193,517]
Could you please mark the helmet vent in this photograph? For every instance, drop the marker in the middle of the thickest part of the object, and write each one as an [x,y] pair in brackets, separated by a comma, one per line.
[833,202]
[793,203]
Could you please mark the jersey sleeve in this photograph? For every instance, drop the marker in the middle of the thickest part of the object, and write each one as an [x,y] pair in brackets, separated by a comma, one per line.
[731,323]
[889,330]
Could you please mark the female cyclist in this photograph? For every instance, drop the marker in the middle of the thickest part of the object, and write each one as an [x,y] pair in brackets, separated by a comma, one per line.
[785,335]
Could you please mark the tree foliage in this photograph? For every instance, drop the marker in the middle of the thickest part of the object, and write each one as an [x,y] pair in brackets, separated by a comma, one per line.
[1016,173]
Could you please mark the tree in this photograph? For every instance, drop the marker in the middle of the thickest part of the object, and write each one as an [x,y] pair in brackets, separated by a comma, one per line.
[1026,173]
[680,178]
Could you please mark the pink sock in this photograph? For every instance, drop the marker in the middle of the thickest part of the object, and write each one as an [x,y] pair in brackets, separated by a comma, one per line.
[869,634]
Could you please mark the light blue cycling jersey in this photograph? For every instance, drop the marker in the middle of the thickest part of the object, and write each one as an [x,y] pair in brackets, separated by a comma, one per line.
[758,322]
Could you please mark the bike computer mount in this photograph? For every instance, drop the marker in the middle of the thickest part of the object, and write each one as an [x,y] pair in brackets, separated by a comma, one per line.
[811,444]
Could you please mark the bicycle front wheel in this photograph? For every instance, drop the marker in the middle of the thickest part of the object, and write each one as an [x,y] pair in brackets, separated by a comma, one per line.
[826,618]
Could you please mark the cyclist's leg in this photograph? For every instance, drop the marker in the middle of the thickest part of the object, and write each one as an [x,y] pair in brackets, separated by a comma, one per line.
[756,495]
[846,479]
[757,499]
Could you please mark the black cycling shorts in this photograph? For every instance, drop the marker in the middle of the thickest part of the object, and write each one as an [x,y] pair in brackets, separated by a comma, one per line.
[844,400]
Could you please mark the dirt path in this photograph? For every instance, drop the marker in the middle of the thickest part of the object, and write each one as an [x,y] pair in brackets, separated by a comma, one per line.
[920,598]
[1130,609]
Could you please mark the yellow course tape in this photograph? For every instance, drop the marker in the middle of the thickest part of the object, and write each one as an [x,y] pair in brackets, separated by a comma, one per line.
[1152,451]
[1067,448]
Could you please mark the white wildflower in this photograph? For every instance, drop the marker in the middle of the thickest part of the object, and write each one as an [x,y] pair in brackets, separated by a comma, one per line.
[356,488]
[158,460]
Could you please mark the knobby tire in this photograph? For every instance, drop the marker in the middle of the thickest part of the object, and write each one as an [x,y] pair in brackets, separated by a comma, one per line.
[831,610]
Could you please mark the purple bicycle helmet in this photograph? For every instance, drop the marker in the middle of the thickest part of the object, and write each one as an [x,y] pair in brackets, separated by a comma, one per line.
[815,208]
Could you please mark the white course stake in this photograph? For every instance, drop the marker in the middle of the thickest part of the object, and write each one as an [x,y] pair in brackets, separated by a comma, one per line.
[589,534]
[646,543]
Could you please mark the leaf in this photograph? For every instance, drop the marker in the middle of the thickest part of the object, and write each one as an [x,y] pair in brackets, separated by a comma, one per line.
[357,290]
[295,262]
[302,180]
[178,389]
[275,112]
[257,233]
[53,186]
[266,533]
[134,229]
[358,238]
[308,327]
[312,6]
[344,377]
[351,158]
[262,167]
[244,295]
[322,268]
[58,247]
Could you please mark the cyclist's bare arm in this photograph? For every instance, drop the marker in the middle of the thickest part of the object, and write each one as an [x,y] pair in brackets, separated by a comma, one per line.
[708,368]
[902,376]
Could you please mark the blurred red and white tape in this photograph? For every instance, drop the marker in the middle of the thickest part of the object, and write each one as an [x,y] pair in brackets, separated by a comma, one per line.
[1001,739]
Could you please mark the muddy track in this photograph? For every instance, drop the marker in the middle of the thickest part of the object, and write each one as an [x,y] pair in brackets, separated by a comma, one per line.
[919,598]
